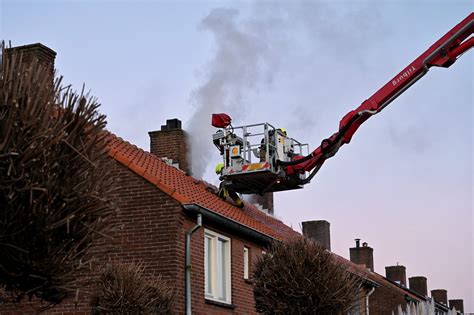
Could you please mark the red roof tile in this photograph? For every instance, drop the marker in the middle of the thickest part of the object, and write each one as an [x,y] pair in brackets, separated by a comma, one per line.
[186,189]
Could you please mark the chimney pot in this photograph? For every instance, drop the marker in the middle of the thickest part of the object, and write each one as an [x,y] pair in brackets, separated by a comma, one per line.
[319,231]
[171,124]
[357,242]
[397,274]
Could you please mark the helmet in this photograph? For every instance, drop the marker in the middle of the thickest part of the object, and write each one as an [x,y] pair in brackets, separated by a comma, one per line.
[283,130]
[219,168]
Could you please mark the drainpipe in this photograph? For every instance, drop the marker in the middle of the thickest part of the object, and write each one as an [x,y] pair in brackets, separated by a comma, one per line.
[188,263]
[367,300]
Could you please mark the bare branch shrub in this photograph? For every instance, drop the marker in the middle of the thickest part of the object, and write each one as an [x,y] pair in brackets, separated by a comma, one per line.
[125,289]
[299,276]
[54,180]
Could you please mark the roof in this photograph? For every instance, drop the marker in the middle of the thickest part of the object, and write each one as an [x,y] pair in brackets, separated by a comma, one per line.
[364,273]
[186,189]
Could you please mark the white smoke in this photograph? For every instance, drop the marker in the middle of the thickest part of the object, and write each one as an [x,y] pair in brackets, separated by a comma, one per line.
[249,54]
[240,64]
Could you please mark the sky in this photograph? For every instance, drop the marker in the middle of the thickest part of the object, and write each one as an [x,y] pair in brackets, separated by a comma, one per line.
[403,184]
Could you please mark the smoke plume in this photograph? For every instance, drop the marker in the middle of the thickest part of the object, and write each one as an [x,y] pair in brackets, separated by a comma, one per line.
[299,41]
[238,67]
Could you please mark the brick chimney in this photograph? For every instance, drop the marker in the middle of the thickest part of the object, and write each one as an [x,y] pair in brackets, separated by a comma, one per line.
[265,200]
[419,285]
[397,274]
[170,142]
[28,53]
[318,231]
[457,304]
[440,296]
[362,255]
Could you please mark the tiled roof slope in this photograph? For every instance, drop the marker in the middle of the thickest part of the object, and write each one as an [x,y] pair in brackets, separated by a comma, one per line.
[186,189]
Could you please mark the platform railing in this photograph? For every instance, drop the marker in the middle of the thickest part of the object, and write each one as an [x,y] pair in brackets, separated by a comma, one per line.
[251,147]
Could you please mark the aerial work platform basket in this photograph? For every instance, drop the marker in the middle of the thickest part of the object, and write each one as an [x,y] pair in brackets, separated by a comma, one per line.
[250,154]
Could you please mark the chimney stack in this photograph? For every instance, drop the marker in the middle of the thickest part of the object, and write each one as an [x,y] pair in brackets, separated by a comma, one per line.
[318,231]
[170,142]
[362,255]
[397,274]
[28,53]
[419,285]
[265,200]
[457,304]
[440,296]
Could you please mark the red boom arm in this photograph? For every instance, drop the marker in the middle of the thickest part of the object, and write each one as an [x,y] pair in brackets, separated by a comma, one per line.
[443,53]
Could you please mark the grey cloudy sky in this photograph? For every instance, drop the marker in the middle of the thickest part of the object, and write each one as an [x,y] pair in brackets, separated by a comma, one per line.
[404,184]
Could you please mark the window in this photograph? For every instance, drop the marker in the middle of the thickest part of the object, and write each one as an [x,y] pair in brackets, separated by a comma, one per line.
[246,262]
[217,267]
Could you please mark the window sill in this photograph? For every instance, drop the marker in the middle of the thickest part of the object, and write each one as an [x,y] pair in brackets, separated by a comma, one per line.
[221,304]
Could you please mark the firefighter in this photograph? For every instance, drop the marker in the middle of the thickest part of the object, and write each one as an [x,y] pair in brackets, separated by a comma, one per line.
[225,191]
[263,150]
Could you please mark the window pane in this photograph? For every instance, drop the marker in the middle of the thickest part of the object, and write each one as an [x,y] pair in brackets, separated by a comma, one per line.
[208,264]
[217,267]
[246,263]
[222,272]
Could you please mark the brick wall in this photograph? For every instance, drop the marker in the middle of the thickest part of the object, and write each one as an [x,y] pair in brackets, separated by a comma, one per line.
[397,274]
[151,227]
[266,201]
[44,55]
[419,285]
[170,142]
[385,299]
[319,231]
[147,228]
[362,255]
[242,290]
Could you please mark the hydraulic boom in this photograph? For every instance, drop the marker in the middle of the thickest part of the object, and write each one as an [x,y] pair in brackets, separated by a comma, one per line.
[281,164]
[443,53]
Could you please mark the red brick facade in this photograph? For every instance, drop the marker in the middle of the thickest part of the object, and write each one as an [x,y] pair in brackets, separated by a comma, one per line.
[385,299]
[170,142]
[151,227]
[242,290]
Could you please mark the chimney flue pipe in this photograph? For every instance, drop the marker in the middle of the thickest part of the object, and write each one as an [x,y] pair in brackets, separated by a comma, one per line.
[357,242]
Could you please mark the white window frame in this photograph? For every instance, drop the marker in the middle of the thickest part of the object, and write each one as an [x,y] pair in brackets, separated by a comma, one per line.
[246,262]
[220,285]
